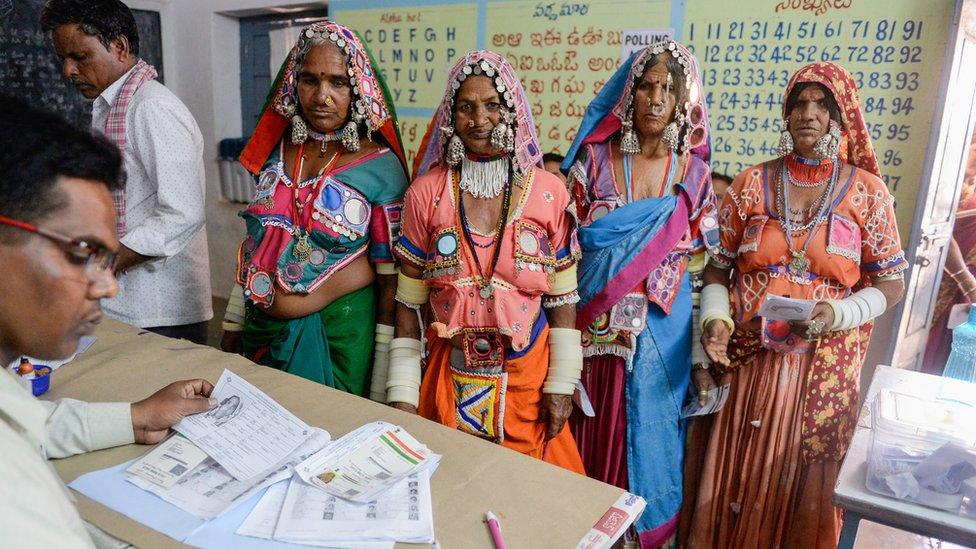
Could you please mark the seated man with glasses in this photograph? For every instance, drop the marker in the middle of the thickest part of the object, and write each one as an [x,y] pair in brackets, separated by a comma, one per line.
[58,247]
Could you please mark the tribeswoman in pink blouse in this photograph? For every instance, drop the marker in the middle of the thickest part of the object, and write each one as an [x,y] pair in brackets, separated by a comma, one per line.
[488,263]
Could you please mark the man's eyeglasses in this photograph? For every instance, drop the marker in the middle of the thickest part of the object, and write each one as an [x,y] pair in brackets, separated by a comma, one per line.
[97,259]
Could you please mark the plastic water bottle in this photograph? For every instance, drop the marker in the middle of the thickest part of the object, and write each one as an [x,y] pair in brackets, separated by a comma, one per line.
[962,360]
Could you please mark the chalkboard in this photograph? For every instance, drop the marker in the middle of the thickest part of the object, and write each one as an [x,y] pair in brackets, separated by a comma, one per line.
[30,69]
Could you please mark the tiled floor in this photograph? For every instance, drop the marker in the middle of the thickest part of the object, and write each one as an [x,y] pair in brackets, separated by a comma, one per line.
[870,535]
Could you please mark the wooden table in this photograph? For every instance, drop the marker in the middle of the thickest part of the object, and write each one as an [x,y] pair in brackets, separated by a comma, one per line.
[852,494]
[539,505]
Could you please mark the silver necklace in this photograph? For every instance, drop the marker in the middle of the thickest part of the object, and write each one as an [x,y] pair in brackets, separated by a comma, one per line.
[484,179]
[799,265]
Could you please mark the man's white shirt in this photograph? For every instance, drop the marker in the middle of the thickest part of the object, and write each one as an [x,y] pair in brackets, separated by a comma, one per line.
[165,210]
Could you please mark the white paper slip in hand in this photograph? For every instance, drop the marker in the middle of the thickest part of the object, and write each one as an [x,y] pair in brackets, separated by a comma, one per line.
[247,431]
[366,462]
[786,308]
[168,462]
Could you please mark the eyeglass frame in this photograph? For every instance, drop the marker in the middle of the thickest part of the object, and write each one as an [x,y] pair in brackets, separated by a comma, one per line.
[93,267]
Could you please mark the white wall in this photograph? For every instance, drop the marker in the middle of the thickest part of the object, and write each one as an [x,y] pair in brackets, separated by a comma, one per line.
[201,60]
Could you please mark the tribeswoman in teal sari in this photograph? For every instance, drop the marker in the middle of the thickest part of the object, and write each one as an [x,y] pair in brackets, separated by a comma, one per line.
[640,175]
[315,276]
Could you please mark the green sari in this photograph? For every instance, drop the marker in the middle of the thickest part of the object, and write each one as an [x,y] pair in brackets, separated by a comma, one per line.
[333,346]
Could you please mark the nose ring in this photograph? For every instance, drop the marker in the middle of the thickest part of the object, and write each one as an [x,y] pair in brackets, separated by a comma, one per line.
[470,123]
[329,102]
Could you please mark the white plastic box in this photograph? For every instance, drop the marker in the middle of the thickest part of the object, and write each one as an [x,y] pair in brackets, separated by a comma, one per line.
[923,451]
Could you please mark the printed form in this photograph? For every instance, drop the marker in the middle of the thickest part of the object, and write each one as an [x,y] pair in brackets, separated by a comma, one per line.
[247,432]
[297,512]
[208,490]
[365,462]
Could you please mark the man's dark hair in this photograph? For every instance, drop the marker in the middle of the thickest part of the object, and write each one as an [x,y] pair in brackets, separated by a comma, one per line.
[722,176]
[832,107]
[553,157]
[37,148]
[105,19]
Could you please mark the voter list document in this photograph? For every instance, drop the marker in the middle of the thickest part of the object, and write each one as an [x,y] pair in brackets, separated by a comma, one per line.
[247,432]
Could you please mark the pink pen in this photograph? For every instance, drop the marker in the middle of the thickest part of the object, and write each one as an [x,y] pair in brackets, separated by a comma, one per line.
[496,530]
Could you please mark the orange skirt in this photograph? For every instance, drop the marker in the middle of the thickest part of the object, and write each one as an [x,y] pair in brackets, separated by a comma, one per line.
[522,401]
[753,488]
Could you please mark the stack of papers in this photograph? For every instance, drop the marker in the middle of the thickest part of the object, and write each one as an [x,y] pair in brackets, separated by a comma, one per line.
[250,472]
[296,512]
[208,490]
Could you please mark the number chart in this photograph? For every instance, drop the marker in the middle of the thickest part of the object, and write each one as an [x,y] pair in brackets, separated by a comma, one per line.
[565,51]
[895,56]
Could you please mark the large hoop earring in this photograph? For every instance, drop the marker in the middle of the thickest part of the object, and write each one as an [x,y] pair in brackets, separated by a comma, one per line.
[828,145]
[785,145]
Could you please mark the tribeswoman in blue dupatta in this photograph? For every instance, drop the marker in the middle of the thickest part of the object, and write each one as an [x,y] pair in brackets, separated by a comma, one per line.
[640,175]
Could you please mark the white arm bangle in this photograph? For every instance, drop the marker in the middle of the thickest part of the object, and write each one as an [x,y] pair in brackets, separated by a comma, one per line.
[381,362]
[858,309]
[235,305]
[565,361]
[403,382]
[715,306]
[698,355]
[411,291]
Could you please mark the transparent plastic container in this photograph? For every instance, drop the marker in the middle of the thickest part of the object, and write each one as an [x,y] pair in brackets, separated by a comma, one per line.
[962,360]
[906,431]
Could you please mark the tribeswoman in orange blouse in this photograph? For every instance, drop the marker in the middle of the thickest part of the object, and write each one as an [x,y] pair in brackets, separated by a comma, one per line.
[488,258]
[816,224]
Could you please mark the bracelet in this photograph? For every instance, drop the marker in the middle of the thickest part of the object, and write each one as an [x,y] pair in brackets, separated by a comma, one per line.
[562,282]
[403,383]
[565,361]
[235,305]
[699,366]
[381,362]
[229,326]
[698,355]
[411,291]
[715,306]
[858,309]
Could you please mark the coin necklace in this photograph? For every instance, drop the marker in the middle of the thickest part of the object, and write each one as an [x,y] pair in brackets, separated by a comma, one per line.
[482,279]
[799,265]
[302,250]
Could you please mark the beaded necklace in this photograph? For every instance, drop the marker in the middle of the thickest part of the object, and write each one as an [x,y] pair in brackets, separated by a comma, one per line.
[325,138]
[799,265]
[302,250]
[482,279]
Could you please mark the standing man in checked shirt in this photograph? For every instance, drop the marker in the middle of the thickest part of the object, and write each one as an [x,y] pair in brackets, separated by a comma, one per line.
[164,268]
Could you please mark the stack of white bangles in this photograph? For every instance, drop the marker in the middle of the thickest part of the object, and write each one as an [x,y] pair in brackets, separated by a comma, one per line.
[403,383]
[565,361]
[381,362]
[861,307]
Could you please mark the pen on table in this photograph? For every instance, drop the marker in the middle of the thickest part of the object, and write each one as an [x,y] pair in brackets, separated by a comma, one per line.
[496,530]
